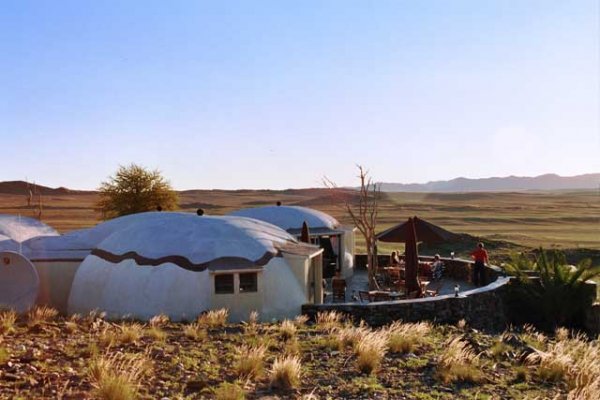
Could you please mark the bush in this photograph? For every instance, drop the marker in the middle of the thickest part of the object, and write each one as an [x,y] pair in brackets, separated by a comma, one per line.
[558,297]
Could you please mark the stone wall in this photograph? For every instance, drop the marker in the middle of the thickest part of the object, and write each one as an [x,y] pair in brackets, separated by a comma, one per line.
[592,320]
[482,308]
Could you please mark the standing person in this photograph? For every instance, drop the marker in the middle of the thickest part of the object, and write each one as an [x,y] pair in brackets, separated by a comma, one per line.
[481,258]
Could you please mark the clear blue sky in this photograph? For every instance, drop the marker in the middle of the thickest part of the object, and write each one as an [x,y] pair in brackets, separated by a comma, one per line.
[277,94]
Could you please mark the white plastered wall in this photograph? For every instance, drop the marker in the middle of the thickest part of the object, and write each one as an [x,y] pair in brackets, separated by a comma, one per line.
[126,289]
[284,287]
[56,279]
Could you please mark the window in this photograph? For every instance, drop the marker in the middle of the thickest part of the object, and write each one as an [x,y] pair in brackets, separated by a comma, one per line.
[248,282]
[224,284]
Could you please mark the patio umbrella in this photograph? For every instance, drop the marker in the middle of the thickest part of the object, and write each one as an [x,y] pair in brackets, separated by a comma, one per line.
[411,258]
[305,233]
[425,231]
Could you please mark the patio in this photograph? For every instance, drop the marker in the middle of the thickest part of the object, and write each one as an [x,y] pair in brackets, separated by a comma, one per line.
[360,282]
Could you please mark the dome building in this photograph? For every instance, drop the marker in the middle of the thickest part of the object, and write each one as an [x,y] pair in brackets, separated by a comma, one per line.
[181,265]
[326,232]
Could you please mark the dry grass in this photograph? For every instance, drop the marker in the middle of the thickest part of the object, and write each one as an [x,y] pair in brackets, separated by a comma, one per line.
[370,350]
[350,335]
[117,376]
[406,338]
[253,317]
[40,315]
[571,359]
[287,330]
[4,355]
[458,362]
[8,319]
[195,331]
[329,320]
[229,391]
[214,318]
[130,333]
[250,362]
[301,320]
[159,320]
[156,333]
[285,372]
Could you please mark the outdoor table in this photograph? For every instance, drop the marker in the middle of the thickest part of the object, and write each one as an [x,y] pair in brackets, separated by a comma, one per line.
[374,294]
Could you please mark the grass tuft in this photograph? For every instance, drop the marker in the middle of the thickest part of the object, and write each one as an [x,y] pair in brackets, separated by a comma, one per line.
[458,362]
[8,318]
[214,318]
[250,363]
[370,350]
[406,338]
[287,330]
[285,372]
[195,331]
[229,391]
[117,376]
[329,320]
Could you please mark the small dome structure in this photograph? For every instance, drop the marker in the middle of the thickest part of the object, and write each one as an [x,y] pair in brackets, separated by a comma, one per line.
[19,228]
[19,282]
[326,231]
[168,263]
[290,218]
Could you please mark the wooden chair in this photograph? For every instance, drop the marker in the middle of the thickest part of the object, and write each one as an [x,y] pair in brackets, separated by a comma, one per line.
[338,287]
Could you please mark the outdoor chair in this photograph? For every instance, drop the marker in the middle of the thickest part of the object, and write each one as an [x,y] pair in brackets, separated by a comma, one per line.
[379,296]
[338,286]
[433,290]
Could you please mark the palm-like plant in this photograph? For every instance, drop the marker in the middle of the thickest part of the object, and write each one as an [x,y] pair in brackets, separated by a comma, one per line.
[559,296]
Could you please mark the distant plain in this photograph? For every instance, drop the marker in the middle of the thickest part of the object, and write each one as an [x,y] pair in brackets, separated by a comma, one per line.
[561,219]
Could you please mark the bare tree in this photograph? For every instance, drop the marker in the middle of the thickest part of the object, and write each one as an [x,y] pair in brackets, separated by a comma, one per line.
[364,217]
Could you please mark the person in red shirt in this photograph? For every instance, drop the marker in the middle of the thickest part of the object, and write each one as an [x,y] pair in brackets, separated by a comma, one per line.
[481,258]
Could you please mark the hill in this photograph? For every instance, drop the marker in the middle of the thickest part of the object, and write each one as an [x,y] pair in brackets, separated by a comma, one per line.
[509,183]
[22,187]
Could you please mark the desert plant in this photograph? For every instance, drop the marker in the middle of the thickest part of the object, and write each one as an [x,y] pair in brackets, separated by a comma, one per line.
[285,372]
[135,189]
[329,320]
[40,315]
[406,338]
[130,333]
[559,296]
[159,320]
[156,333]
[117,376]
[250,362]
[253,317]
[350,335]
[370,350]
[8,319]
[458,362]
[195,331]
[301,320]
[229,391]
[287,330]
[214,318]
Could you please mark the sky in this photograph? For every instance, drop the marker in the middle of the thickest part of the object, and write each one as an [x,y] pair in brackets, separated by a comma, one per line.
[279,94]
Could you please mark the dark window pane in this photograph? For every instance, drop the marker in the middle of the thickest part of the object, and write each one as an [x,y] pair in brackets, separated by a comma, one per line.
[223,283]
[248,282]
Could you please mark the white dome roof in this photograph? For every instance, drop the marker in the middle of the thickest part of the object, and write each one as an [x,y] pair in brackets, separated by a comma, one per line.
[20,228]
[290,217]
[194,242]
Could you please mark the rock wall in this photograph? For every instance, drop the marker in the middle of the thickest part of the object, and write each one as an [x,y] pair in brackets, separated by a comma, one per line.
[482,308]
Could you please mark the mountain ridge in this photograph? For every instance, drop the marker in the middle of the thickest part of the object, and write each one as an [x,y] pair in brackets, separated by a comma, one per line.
[495,184]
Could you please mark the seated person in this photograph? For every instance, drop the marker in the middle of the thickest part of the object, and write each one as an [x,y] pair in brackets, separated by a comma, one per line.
[394,259]
[437,268]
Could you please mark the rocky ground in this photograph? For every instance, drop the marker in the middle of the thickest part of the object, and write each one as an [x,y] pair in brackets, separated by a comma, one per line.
[47,356]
